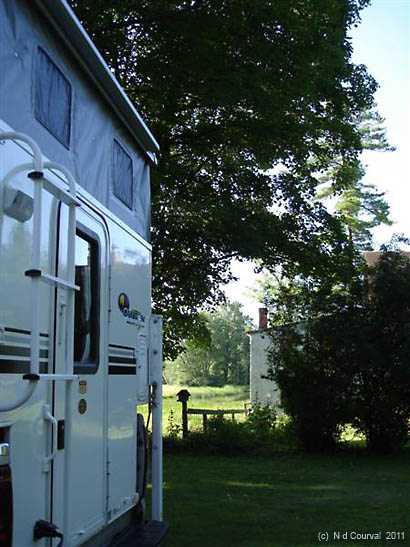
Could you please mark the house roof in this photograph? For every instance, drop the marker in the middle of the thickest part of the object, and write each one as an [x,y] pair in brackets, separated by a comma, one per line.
[372,257]
[64,21]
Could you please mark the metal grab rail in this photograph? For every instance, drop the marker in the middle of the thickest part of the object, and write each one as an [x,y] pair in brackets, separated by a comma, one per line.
[37,176]
[47,416]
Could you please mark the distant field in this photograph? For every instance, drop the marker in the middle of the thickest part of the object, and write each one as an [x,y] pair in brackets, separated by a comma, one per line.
[227,397]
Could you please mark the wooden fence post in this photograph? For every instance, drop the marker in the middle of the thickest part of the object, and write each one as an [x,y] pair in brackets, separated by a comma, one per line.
[184,419]
[183,397]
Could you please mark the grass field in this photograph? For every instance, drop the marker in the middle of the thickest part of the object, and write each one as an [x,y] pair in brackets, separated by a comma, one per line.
[227,397]
[287,500]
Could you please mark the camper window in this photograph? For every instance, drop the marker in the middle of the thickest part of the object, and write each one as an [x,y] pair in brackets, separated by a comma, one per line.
[122,173]
[52,98]
[86,332]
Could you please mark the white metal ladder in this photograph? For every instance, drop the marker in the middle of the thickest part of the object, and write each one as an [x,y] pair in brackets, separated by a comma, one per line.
[37,275]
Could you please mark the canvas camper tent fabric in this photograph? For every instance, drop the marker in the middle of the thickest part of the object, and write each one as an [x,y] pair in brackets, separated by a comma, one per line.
[49,96]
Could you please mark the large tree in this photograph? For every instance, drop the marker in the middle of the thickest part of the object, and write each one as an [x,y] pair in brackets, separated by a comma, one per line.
[231,89]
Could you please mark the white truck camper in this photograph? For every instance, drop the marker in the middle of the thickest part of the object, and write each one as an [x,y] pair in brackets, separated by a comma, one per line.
[79,346]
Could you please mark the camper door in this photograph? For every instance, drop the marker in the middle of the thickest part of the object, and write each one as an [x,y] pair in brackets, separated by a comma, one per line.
[83,451]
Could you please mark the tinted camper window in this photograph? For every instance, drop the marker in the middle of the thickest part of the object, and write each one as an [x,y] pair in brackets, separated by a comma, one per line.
[122,175]
[52,98]
[86,332]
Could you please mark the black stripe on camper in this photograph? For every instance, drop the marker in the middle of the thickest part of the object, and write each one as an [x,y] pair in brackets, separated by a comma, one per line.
[123,370]
[130,348]
[21,331]
[20,351]
[10,366]
[122,360]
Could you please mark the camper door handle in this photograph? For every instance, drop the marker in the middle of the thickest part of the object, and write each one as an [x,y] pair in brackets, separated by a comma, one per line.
[50,418]
[61,317]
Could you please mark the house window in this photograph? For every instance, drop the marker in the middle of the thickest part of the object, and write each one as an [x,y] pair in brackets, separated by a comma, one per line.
[86,311]
[52,98]
[123,188]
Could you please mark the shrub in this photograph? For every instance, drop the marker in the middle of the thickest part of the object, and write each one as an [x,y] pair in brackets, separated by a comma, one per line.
[261,433]
[173,428]
[382,409]
[261,421]
[311,366]
[348,359]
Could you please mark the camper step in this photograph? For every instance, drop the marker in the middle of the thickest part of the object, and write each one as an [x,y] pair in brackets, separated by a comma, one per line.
[136,535]
[60,193]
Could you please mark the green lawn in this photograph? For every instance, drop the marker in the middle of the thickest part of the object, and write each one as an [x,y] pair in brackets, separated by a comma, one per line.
[281,501]
[285,500]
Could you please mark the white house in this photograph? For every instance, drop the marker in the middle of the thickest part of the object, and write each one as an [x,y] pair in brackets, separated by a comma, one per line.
[263,391]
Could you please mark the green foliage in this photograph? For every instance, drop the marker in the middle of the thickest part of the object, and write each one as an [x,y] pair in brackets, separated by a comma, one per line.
[223,358]
[227,436]
[313,369]
[359,205]
[261,421]
[173,429]
[258,429]
[383,380]
[261,432]
[230,90]
[346,360]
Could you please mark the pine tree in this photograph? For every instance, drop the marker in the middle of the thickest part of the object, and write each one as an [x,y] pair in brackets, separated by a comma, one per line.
[359,204]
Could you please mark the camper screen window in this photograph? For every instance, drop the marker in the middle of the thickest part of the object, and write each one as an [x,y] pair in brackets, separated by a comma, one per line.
[52,98]
[86,305]
[122,175]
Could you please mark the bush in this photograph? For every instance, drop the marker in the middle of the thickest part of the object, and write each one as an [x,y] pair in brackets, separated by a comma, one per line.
[382,397]
[348,361]
[173,428]
[261,421]
[312,369]
[261,433]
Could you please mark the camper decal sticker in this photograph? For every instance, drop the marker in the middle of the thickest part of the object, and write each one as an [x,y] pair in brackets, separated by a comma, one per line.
[123,302]
[134,317]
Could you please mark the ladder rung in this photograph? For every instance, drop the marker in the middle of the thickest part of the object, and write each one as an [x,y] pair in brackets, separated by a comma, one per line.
[53,377]
[59,192]
[52,280]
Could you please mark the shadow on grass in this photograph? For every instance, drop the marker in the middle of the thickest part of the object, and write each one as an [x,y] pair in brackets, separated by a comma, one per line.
[284,500]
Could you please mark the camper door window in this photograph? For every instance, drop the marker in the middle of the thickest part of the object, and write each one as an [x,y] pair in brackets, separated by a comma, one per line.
[86,332]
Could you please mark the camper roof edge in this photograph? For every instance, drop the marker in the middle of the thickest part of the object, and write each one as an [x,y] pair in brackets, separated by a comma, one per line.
[63,19]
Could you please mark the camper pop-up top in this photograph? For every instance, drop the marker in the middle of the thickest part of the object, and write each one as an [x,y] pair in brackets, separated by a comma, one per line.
[79,347]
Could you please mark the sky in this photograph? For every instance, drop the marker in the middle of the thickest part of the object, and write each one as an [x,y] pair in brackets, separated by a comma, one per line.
[382,43]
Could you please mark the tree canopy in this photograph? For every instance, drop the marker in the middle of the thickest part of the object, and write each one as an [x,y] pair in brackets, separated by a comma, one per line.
[231,90]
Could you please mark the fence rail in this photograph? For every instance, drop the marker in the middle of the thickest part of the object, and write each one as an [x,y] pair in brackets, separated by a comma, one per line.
[204,412]
[212,411]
